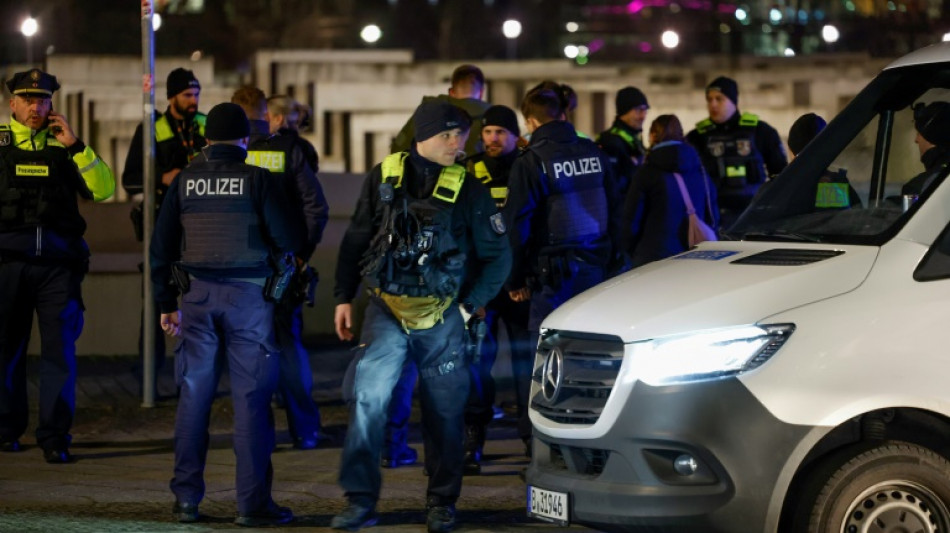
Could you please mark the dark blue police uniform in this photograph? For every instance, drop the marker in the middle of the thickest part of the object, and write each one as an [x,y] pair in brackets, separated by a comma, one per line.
[43,259]
[282,155]
[221,221]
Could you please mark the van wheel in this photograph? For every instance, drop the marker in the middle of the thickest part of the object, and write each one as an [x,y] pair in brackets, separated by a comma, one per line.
[892,488]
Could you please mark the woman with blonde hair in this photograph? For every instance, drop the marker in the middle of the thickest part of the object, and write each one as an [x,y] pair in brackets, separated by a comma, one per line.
[655,221]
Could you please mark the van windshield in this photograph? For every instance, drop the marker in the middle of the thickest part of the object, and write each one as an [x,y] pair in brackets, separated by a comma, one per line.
[850,184]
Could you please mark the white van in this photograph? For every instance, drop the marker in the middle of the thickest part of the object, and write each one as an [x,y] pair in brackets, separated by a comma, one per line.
[796,378]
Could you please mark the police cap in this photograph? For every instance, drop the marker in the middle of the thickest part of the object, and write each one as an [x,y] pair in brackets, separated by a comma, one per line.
[34,81]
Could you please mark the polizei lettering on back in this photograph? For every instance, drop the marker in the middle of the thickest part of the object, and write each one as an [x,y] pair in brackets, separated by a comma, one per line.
[576,167]
[214,187]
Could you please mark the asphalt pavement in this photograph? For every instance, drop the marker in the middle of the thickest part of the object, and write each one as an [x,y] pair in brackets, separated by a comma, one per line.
[123,463]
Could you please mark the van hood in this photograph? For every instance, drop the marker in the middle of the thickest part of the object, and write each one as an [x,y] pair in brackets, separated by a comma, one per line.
[716,285]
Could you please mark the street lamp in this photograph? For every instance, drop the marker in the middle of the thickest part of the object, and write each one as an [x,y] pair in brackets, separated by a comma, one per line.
[29,28]
[371,33]
[512,29]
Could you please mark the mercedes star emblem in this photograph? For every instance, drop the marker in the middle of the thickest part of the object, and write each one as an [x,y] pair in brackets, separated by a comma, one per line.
[552,374]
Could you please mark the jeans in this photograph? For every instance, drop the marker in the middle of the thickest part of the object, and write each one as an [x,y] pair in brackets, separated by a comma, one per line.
[438,352]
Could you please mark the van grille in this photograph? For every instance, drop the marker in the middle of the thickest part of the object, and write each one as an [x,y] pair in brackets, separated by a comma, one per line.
[587,461]
[574,374]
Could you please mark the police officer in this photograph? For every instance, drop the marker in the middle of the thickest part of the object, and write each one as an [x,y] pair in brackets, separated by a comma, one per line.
[179,137]
[429,240]
[833,190]
[738,150]
[562,204]
[221,223]
[465,92]
[283,157]
[500,134]
[285,117]
[43,258]
[623,142]
[933,141]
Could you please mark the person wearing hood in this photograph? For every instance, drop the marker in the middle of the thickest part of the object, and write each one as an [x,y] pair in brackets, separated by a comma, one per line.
[932,123]
[654,216]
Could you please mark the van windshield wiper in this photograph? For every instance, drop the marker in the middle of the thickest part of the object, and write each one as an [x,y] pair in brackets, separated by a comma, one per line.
[781,235]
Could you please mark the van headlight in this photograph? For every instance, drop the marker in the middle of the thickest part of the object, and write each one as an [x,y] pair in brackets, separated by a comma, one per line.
[708,354]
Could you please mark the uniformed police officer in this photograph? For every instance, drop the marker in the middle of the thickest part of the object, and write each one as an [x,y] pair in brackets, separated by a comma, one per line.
[428,238]
[283,157]
[738,150]
[285,117]
[222,222]
[500,134]
[179,137]
[562,204]
[43,258]
[623,142]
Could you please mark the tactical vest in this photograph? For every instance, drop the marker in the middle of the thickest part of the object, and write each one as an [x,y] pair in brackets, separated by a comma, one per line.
[415,254]
[738,161]
[272,153]
[577,206]
[833,191]
[499,193]
[38,188]
[634,146]
[221,226]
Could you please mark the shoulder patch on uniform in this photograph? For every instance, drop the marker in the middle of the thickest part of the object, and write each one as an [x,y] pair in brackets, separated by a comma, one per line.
[6,137]
[498,223]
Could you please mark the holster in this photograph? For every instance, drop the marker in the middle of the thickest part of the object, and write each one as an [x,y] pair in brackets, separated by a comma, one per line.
[180,277]
[277,284]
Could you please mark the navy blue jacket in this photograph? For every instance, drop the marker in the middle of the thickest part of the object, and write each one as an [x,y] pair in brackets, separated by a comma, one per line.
[654,215]
[280,233]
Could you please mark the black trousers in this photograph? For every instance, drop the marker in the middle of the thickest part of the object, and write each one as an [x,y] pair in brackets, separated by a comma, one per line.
[52,291]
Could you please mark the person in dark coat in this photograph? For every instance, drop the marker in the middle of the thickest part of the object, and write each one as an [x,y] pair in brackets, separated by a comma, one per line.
[654,216]
[933,141]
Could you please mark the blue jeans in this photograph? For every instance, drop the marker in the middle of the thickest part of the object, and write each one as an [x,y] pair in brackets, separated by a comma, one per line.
[438,353]
[236,313]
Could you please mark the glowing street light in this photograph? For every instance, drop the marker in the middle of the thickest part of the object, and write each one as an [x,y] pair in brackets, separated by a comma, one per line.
[570,51]
[29,28]
[371,33]
[156,21]
[830,33]
[670,39]
[511,28]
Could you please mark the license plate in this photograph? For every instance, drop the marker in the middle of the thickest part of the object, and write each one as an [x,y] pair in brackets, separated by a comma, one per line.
[548,505]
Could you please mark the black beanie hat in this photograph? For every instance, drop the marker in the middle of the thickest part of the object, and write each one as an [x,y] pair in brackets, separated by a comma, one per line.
[432,117]
[180,80]
[227,122]
[726,86]
[629,98]
[933,122]
[499,115]
[803,131]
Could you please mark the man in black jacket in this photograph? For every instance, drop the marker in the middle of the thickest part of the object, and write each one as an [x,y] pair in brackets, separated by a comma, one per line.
[428,240]
[307,205]
[222,223]
[623,142]
[933,140]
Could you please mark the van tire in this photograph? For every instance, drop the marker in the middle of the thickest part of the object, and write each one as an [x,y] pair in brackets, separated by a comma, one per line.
[899,486]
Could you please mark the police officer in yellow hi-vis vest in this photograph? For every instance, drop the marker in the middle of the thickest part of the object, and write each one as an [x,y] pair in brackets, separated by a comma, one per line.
[179,137]
[43,258]
[429,243]
[306,205]
[739,151]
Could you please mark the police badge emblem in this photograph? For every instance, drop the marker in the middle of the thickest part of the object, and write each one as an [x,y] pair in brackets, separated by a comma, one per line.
[717,149]
[6,137]
[498,223]
[744,147]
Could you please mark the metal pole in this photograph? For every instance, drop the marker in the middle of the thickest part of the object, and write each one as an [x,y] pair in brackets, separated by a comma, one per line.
[29,51]
[148,191]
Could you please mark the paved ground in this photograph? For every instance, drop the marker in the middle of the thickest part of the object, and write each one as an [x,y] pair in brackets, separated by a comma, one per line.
[119,481]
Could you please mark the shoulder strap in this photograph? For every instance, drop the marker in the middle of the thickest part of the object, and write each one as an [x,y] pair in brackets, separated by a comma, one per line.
[393,168]
[684,193]
[748,120]
[704,125]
